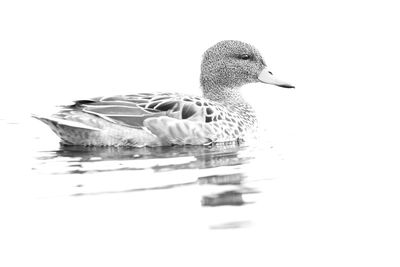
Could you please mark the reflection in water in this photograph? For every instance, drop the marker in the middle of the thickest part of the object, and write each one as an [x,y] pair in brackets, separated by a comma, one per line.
[233,198]
[79,160]
[219,171]
[231,225]
[126,153]
[170,186]
[230,197]
[235,179]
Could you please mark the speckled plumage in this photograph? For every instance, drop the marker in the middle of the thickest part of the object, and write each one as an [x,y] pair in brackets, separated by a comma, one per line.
[157,119]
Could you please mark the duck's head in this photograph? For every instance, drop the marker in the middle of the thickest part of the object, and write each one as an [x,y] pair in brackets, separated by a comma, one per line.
[230,64]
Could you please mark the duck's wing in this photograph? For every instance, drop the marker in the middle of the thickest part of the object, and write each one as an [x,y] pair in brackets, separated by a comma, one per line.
[133,110]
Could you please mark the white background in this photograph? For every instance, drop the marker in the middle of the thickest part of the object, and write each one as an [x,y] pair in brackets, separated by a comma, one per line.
[341,123]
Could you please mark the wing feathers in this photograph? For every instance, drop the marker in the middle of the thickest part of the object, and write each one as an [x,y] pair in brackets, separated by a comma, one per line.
[133,110]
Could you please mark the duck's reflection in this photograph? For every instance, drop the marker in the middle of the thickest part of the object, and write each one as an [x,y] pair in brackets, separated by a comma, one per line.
[231,225]
[232,198]
[79,159]
[87,153]
[227,197]
[227,179]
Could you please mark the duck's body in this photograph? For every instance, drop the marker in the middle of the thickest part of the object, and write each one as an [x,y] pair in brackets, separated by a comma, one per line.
[146,119]
[151,120]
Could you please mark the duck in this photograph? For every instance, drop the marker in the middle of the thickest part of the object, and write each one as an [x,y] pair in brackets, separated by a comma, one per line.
[220,115]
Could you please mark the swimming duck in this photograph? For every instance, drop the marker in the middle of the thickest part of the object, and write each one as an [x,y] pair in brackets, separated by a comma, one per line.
[159,119]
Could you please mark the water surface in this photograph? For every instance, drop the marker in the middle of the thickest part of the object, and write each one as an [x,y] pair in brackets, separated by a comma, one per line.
[229,204]
[223,178]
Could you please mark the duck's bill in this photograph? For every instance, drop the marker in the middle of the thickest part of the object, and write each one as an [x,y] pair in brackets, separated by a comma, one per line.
[267,77]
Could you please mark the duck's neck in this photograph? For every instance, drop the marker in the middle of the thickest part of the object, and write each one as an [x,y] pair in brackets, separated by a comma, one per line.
[225,95]
[232,99]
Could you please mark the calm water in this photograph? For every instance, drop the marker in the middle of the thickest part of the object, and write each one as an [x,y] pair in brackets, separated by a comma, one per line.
[193,206]
[165,192]
[221,170]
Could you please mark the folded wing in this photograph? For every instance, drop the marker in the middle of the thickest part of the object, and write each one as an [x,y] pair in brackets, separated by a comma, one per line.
[133,110]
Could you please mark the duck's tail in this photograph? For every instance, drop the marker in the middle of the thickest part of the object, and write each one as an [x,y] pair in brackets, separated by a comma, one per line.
[70,132]
[57,122]
[106,134]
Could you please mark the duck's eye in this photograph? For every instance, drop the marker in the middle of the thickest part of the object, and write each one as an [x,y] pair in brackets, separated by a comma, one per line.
[245,56]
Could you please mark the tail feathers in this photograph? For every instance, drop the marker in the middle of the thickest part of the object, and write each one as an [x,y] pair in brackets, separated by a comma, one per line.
[57,122]
[71,132]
